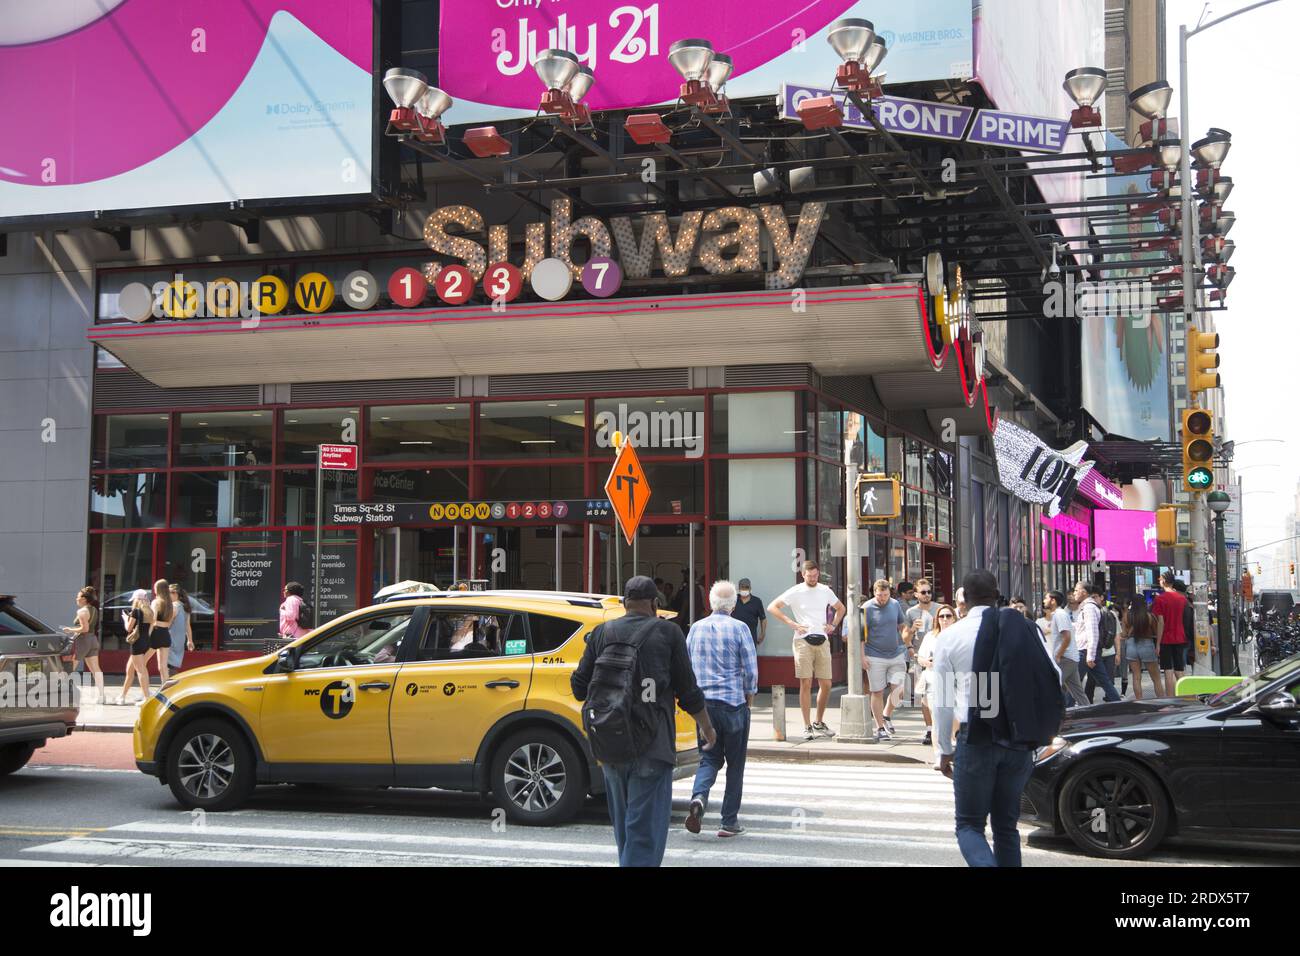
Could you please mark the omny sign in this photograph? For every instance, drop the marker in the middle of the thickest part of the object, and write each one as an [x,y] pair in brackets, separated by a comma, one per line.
[894,113]
[907,117]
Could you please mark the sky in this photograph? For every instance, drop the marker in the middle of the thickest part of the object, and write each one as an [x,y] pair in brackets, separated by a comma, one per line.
[1239,72]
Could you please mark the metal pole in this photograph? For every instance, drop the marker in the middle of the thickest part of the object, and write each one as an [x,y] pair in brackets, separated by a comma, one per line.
[636,552]
[618,558]
[591,556]
[691,573]
[853,705]
[1227,652]
[558,532]
[473,554]
[320,514]
[455,553]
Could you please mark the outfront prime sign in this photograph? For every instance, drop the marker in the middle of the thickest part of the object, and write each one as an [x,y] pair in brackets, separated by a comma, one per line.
[895,113]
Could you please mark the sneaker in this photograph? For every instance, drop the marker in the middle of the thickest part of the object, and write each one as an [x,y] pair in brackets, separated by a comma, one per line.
[735,831]
[809,733]
[882,735]
[822,729]
[693,818]
[889,725]
[929,737]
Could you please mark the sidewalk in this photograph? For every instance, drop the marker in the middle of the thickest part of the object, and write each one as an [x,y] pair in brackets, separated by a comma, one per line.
[111,718]
[906,747]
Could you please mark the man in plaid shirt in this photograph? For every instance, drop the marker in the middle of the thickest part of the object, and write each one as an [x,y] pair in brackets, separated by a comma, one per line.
[726,668]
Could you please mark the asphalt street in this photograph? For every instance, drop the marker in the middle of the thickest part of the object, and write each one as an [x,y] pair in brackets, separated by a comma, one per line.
[89,808]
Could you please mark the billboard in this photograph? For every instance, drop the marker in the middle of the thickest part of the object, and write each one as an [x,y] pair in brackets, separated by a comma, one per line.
[487,49]
[1125,347]
[1126,535]
[1023,49]
[153,103]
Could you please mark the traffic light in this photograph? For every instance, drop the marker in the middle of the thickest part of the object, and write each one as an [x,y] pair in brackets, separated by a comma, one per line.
[1201,358]
[1198,449]
[1166,525]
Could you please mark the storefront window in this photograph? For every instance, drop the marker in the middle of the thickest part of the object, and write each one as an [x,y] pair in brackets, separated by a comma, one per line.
[668,425]
[306,428]
[757,422]
[912,463]
[298,494]
[130,441]
[944,520]
[894,455]
[675,489]
[417,432]
[222,499]
[915,569]
[912,513]
[754,489]
[125,563]
[225,438]
[531,429]
[189,558]
[421,484]
[810,489]
[942,463]
[829,424]
[516,483]
[129,500]
[338,582]
[875,450]
[830,494]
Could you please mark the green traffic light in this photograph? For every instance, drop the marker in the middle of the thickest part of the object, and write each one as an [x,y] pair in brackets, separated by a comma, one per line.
[1200,478]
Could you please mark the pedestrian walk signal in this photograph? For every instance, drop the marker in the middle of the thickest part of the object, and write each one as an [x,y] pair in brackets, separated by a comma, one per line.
[877,498]
[1198,449]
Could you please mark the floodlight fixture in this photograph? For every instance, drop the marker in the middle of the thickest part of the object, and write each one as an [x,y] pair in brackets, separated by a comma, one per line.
[1084,85]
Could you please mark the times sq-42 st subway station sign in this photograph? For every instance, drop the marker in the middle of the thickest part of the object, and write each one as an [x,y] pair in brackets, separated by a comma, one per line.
[722,242]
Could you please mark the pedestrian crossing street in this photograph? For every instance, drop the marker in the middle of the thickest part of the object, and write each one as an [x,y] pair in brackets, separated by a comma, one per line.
[794,814]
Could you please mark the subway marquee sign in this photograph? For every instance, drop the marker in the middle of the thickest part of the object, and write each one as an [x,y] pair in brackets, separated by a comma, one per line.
[724,241]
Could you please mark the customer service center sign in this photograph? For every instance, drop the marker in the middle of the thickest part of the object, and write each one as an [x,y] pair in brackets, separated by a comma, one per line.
[487,48]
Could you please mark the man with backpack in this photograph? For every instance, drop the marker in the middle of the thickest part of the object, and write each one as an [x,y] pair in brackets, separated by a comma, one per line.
[993,673]
[632,671]
[1092,622]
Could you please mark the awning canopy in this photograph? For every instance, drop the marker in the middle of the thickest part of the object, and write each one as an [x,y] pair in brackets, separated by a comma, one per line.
[846,330]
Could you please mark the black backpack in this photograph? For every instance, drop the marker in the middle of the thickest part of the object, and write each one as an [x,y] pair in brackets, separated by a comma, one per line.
[620,725]
[306,616]
[1108,629]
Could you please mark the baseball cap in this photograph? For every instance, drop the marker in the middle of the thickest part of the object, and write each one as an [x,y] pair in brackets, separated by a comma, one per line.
[743,583]
[640,588]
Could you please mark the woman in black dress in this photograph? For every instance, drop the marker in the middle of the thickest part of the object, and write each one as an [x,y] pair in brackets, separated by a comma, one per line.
[160,635]
[138,621]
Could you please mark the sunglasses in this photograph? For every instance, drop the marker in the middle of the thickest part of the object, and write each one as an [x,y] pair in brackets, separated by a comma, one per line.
[923,593]
[946,614]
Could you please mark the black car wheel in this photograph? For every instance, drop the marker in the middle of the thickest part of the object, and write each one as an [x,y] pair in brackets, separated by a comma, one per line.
[1115,809]
[210,766]
[538,778]
[14,757]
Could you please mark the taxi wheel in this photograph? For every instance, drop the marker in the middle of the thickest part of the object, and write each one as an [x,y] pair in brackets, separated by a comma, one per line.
[14,757]
[1115,809]
[210,766]
[538,778]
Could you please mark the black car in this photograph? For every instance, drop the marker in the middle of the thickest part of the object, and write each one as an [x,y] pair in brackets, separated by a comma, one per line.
[1121,777]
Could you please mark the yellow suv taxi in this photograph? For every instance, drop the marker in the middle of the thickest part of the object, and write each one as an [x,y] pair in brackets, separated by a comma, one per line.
[467,691]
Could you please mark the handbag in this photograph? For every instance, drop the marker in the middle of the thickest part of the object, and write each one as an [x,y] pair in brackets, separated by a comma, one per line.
[134,634]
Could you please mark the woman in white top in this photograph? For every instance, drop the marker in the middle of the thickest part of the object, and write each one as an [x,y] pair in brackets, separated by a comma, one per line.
[944,618]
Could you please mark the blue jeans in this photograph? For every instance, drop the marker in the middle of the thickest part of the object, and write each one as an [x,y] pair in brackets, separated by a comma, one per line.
[987,783]
[732,724]
[1100,676]
[640,797]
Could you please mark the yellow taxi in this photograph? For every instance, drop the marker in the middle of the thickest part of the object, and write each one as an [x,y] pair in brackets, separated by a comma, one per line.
[465,691]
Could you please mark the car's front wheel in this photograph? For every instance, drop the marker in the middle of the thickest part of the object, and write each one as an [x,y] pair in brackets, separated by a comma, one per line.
[210,766]
[14,757]
[1114,808]
[538,778]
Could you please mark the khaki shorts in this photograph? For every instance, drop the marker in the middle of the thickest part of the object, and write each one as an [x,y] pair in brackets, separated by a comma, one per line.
[883,671]
[812,661]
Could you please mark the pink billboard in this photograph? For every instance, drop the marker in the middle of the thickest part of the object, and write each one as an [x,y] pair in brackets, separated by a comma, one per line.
[1126,535]
[487,49]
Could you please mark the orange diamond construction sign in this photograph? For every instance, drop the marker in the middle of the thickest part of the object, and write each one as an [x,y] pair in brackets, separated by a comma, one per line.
[628,490]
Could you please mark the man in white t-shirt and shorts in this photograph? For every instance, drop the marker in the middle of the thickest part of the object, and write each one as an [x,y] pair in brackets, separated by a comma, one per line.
[808,602]
[1061,644]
